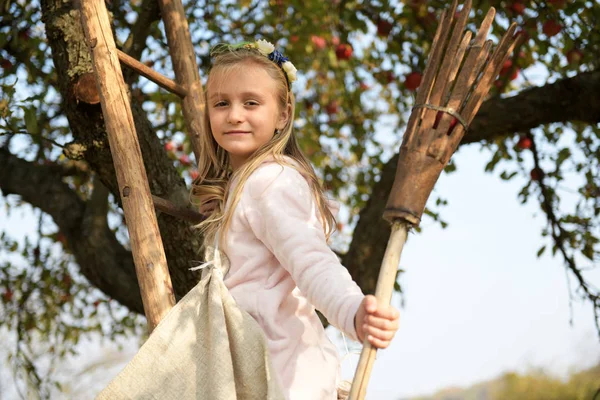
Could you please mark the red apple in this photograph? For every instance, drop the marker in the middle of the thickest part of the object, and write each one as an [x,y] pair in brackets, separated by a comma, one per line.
[319,42]
[169,146]
[518,7]
[453,123]
[185,160]
[96,303]
[194,174]
[551,28]
[515,74]
[506,67]
[438,118]
[335,40]
[294,38]
[332,108]
[363,86]
[384,27]
[180,147]
[574,56]
[343,51]
[5,64]
[536,174]
[7,296]
[412,81]
[524,143]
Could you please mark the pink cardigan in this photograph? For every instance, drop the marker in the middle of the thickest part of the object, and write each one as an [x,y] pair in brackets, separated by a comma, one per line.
[281,269]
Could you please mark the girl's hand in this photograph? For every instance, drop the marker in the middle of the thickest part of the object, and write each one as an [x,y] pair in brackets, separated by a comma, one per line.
[378,322]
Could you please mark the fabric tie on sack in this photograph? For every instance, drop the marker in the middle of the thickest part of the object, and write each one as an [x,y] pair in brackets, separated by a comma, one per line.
[206,347]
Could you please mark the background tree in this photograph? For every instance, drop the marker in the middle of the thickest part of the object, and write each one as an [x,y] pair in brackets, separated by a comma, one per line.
[360,64]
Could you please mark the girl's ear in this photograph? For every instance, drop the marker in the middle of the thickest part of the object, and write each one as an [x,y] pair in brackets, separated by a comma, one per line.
[284,116]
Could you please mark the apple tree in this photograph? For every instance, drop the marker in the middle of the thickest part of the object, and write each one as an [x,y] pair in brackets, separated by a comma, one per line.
[66,271]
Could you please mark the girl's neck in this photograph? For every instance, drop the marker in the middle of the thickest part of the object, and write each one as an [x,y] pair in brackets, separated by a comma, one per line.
[235,163]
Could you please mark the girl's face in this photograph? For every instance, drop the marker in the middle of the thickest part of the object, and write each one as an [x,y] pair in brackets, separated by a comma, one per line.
[243,110]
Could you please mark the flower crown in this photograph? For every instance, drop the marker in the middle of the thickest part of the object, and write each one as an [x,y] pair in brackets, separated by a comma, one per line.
[267,49]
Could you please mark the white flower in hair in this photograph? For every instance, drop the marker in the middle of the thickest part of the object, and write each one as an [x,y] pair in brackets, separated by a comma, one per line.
[264,47]
[290,70]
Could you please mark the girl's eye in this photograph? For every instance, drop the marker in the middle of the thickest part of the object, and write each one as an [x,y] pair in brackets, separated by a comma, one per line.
[251,103]
[221,104]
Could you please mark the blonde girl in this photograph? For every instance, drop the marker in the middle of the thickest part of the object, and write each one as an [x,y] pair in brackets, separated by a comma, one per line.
[268,213]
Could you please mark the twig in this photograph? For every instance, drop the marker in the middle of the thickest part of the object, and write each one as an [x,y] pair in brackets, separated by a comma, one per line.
[8,132]
[558,233]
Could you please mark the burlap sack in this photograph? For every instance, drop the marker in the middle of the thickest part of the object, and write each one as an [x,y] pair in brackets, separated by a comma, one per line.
[206,347]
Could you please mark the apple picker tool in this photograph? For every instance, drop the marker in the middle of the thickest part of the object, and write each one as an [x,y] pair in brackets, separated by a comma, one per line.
[459,73]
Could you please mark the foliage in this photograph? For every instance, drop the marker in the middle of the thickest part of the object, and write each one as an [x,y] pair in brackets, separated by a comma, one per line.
[534,385]
[537,386]
[50,307]
[352,109]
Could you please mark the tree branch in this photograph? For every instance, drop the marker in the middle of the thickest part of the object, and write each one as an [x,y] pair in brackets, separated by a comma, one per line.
[570,99]
[102,259]
[559,236]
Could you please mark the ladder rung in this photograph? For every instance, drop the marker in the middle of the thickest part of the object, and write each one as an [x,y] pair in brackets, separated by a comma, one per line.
[176,211]
[151,74]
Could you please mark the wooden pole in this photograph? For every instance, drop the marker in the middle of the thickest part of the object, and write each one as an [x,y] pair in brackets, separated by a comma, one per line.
[151,74]
[383,293]
[183,213]
[146,243]
[183,58]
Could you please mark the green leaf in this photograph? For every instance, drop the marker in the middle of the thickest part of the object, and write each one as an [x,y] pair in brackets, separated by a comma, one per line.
[31,122]
[541,251]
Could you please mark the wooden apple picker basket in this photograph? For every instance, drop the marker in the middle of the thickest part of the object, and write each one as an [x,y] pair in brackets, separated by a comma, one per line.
[458,75]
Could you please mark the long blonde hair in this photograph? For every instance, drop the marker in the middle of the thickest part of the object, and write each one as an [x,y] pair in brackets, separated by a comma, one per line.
[210,190]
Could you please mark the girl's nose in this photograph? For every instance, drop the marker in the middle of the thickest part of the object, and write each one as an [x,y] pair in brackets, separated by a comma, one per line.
[235,115]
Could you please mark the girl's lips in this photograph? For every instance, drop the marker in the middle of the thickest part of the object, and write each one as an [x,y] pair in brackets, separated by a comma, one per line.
[236,132]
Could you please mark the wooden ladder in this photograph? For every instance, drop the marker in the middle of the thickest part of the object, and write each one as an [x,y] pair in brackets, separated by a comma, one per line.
[138,203]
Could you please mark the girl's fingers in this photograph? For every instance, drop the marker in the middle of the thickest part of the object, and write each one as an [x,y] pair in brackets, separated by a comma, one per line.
[385,335]
[386,311]
[370,303]
[378,343]
[382,323]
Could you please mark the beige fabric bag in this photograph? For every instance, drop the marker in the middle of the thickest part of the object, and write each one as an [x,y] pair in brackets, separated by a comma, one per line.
[206,347]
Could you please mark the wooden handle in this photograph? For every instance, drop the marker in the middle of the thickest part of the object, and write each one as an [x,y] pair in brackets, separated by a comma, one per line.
[146,244]
[383,293]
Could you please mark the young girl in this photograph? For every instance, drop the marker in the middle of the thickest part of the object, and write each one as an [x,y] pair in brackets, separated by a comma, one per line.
[268,213]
